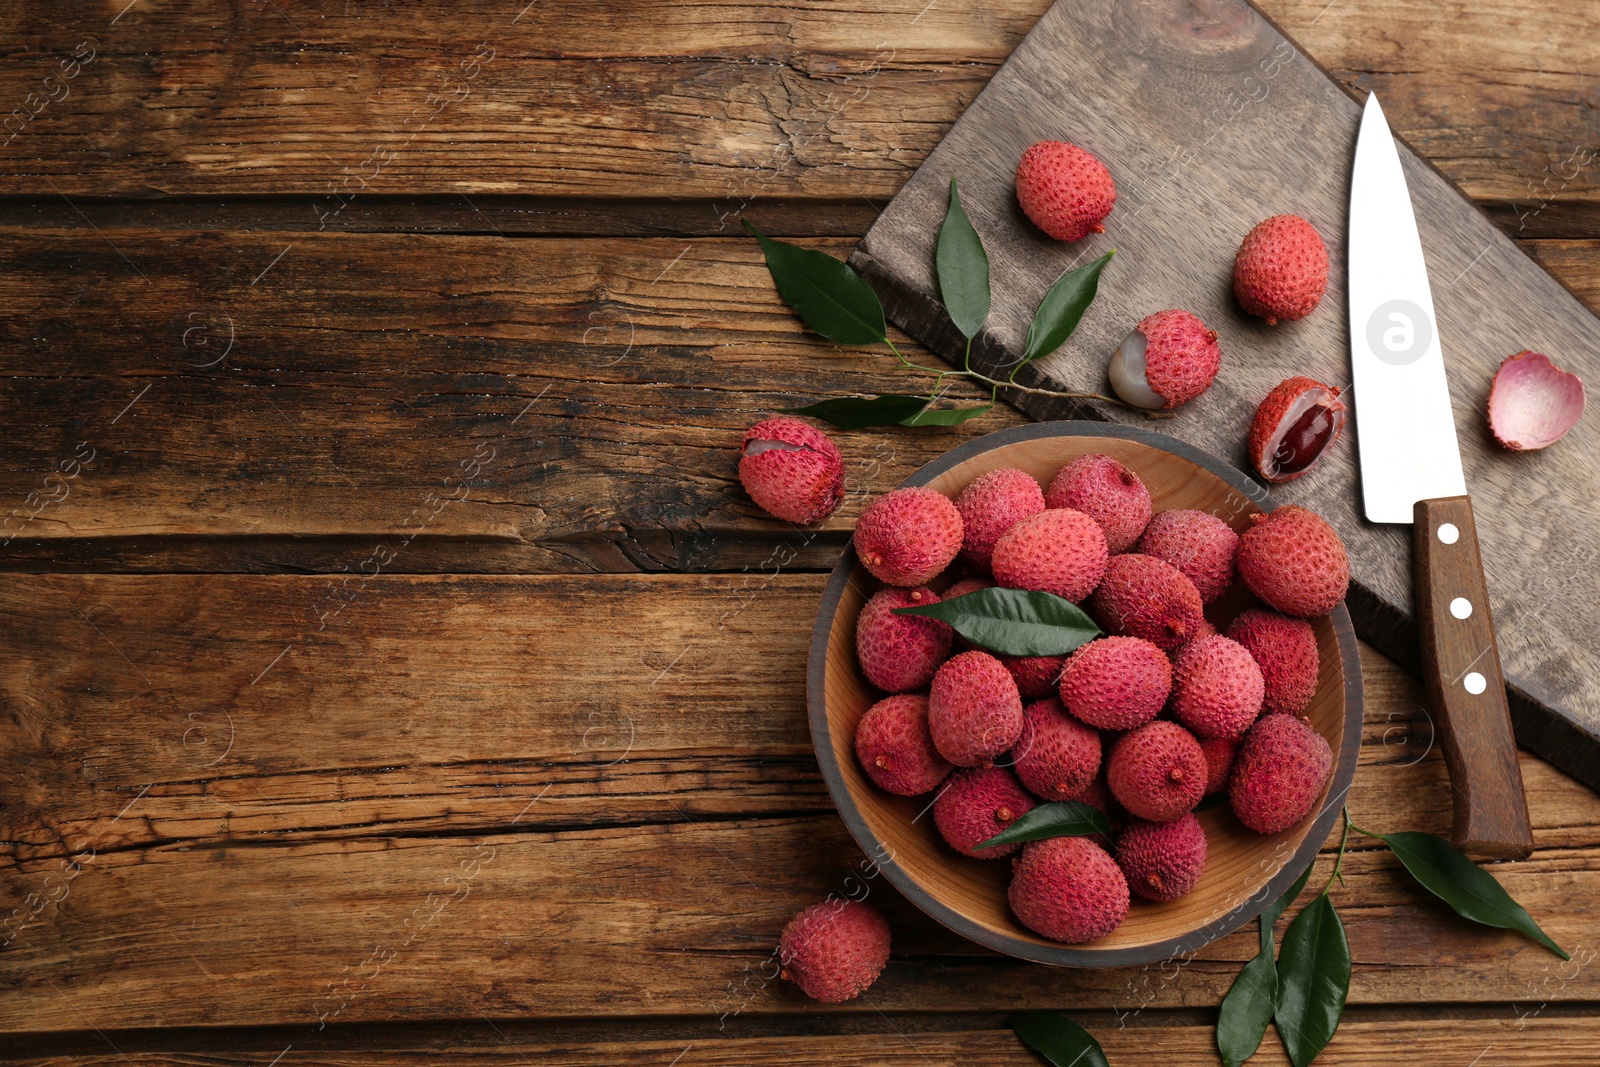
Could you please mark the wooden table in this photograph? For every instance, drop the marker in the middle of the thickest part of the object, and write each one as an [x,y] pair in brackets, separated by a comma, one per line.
[393,668]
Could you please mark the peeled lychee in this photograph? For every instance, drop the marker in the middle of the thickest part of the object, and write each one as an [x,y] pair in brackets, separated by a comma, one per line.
[1106,491]
[1281,270]
[896,749]
[974,709]
[1068,889]
[977,803]
[1286,650]
[1279,772]
[907,536]
[1533,402]
[1217,688]
[1141,596]
[791,470]
[1219,752]
[991,505]
[1198,544]
[1058,551]
[1157,772]
[899,653]
[1163,860]
[1295,426]
[1170,358]
[834,950]
[1036,676]
[1116,683]
[1057,757]
[1064,190]
[1294,561]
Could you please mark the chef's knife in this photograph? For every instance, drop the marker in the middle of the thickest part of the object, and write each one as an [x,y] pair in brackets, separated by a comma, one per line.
[1411,472]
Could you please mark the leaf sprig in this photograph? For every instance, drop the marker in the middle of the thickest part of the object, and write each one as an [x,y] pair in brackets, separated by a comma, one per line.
[1013,622]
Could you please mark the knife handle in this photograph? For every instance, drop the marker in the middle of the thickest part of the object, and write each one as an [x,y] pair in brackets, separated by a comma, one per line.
[1461,670]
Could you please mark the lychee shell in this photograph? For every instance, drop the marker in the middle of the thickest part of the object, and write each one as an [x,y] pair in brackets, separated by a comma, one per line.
[1141,596]
[1294,561]
[1057,757]
[1157,772]
[1058,551]
[1286,650]
[1068,889]
[1162,861]
[895,748]
[990,505]
[899,653]
[1116,683]
[1217,687]
[1278,773]
[1200,545]
[834,950]
[908,535]
[974,709]
[1108,492]
[975,804]
[792,470]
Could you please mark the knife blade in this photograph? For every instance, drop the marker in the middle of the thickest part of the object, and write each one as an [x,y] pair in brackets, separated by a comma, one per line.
[1411,472]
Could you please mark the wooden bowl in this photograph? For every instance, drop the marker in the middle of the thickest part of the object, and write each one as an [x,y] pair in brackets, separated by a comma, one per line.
[1244,870]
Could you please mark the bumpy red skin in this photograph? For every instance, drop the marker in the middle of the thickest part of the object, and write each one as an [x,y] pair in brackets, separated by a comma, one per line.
[1068,889]
[1058,551]
[1182,357]
[1219,752]
[1279,773]
[1217,688]
[1286,650]
[801,483]
[834,950]
[908,535]
[1163,861]
[1057,757]
[992,504]
[1036,676]
[1158,772]
[1281,270]
[1200,545]
[976,804]
[1141,596]
[1116,683]
[974,709]
[896,749]
[968,585]
[1294,561]
[1263,442]
[1107,492]
[899,653]
[1065,190]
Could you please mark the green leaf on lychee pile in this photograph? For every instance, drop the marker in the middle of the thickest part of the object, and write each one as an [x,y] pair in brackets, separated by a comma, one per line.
[1014,622]
[963,268]
[1253,997]
[1058,1039]
[946,416]
[1313,981]
[1067,818]
[858,412]
[1062,308]
[1462,884]
[829,297]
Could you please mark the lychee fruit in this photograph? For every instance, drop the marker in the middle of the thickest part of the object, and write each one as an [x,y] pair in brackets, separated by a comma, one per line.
[1281,270]
[792,470]
[1163,860]
[1205,629]
[1295,426]
[1286,650]
[1058,551]
[1533,402]
[1068,889]
[977,803]
[992,504]
[899,653]
[1116,683]
[896,749]
[1036,676]
[1198,544]
[968,585]
[1064,190]
[1219,752]
[1141,596]
[1106,491]
[974,709]
[1170,358]
[1057,757]
[1217,688]
[834,950]
[908,535]
[1157,772]
[1294,561]
[1279,772]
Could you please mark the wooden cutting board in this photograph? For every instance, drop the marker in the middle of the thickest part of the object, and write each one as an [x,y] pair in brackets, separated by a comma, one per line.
[1211,120]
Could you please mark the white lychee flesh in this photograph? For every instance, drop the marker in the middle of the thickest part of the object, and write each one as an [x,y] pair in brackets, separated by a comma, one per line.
[1127,372]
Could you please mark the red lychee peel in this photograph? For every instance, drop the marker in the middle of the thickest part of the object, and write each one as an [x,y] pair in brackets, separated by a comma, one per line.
[1068,889]
[1057,757]
[1116,683]
[792,470]
[974,709]
[1286,651]
[1108,492]
[1141,596]
[1217,688]
[1279,773]
[834,950]
[1158,772]
[1058,551]
[899,653]
[908,535]
[1163,861]
[992,504]
[1294,561]
[1200,545]
[896,749]
[975,804]
[1281,270]
[1064,190]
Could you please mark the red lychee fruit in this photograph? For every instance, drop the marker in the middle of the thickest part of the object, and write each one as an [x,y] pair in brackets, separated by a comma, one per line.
[1057,757]
[1064,190]
[834,950]
[1116,683]
[1157,772]
[896,749]
[1217,688]
[1279,773]
[1281,270]
[1036,676]
[977,803]
[1295,426]
[1200,545]
[968,585]
[974,709]
[1141,596]
[1106,491]
[1163,860]
[1533,402]
[1286,650]
[1219,752]
[992,504]
[792,470]
[899,653]
[908,535]
[1170,358]
[1058,551]
[1294,561]
[1068,889]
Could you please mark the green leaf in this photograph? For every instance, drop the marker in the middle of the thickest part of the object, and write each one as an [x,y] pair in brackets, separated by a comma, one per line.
[1062,307]
[963,268]
[1058,1039]
[1014,622]
[1313,981]
[855,412]
[1247,1009]
[1067,818]
[1462,884]
[831,298]
[1270,913]
[946,416]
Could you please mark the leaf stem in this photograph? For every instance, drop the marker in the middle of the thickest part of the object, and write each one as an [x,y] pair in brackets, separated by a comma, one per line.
[1359,830]
[985,379]
[1338,864]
